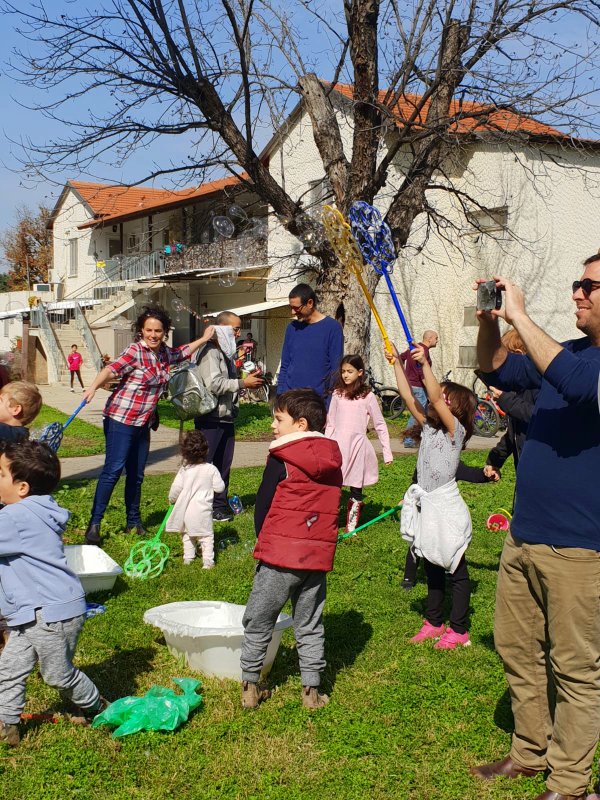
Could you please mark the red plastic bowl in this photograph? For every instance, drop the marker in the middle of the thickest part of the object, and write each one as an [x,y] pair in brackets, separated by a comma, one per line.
[497,522]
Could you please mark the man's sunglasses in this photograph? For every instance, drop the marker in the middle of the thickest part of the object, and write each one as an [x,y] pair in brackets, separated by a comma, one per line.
[587,285]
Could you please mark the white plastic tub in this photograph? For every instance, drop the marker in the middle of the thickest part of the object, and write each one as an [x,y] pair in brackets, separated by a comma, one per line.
[209,633]
[96,570]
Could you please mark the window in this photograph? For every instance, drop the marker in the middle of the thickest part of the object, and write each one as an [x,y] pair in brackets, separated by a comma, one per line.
[489,219]
[319,193]
[166,238]
[6,326]
[467,356]
[132,243]
[73,257]
[469,317]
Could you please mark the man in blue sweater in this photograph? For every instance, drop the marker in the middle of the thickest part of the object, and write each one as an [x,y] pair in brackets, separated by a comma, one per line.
[547,621]
[313,346]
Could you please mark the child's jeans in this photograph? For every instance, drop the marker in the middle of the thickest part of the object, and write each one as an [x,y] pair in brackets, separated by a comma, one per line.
[272,588]
[52,644]
[207,543]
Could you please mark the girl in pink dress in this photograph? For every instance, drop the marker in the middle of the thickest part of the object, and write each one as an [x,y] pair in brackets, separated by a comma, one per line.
[352,404]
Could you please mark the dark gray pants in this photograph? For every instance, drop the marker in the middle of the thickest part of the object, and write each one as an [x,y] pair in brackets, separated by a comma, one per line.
[221,444]
[272,588]
[52,644]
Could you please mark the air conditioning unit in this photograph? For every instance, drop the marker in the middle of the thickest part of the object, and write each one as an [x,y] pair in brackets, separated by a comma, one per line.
[42,287]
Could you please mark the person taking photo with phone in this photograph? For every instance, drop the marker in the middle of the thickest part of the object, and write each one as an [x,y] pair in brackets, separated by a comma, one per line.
[547,619]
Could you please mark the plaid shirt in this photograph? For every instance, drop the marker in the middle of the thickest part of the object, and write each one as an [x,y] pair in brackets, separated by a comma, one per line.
[144,376]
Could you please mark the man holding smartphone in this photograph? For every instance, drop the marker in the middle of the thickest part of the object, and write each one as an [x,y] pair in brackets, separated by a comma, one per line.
[547,620]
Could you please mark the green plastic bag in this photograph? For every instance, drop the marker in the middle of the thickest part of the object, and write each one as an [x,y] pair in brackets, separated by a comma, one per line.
[160,709]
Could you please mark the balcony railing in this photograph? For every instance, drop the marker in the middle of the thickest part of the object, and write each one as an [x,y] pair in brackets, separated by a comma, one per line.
[226,254]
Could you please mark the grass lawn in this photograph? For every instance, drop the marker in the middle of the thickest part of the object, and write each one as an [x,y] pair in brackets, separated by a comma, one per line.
[80,439]
[404,721]
[253,423]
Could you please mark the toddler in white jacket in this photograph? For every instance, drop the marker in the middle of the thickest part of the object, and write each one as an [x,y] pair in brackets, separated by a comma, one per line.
[192,493]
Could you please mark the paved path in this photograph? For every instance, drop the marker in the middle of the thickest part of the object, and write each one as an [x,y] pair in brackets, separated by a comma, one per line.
[164,456]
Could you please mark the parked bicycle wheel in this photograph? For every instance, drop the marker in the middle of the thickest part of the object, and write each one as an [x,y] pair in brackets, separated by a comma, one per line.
[390,400]
[397,406]
[487,419]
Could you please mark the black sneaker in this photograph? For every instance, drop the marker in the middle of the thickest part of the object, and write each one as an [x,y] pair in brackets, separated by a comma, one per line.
[407,584]
[222,516]
[92,534]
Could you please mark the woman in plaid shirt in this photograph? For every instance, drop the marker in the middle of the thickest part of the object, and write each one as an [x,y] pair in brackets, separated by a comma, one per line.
[143,372]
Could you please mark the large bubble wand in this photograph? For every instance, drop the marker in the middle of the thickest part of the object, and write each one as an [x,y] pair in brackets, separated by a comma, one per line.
[374,239]
[342,242]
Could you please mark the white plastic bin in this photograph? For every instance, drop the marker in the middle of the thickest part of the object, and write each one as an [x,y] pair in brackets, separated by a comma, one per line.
[209,633]
[96,570]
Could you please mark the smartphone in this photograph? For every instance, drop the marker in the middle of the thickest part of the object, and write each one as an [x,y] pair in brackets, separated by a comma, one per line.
[489,298]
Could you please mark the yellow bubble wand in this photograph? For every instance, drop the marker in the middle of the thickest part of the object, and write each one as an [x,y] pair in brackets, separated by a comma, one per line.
[346,250]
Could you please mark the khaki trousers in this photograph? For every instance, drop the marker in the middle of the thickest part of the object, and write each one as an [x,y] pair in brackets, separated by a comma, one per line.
[547,632]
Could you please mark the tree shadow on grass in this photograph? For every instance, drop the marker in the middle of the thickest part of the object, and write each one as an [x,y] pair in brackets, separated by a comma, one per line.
[346,635]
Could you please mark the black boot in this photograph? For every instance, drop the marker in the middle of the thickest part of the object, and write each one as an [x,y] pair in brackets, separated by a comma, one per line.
[92,535]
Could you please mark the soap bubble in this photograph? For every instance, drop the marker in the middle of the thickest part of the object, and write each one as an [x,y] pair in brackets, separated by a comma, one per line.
[177,304]
[223,226]
[228,277]
[237,214]
[256,229]
[313,237]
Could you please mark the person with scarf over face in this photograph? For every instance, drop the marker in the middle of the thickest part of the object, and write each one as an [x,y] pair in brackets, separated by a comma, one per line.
[217,368]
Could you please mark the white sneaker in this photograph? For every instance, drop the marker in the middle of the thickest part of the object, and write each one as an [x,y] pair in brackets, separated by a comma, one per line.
[72,390]
[188,561]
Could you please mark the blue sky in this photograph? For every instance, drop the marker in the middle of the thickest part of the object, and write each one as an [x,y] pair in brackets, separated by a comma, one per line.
[17,190]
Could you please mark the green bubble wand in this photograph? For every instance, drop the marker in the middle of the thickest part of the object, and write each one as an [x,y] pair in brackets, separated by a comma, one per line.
[147,559]
[387,513]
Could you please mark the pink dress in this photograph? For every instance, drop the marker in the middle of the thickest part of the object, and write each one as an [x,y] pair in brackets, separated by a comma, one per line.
[347,424]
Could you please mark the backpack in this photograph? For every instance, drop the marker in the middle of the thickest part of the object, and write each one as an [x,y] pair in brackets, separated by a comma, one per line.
[188,394]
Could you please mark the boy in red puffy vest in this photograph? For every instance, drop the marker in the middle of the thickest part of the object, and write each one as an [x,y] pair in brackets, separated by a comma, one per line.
[296,520]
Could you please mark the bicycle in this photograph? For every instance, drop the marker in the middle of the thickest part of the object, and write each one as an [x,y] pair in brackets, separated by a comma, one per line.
[489,417]
[392,405]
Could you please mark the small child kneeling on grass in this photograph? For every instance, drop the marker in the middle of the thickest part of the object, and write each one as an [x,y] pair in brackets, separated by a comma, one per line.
[42,600]
[296,519]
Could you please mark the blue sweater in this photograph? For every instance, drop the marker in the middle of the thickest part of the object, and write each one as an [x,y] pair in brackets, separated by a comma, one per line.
[33,567]
[558,501]
[311,355]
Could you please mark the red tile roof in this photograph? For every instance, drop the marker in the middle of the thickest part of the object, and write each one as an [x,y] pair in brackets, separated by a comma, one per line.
[111,203]
[473,116]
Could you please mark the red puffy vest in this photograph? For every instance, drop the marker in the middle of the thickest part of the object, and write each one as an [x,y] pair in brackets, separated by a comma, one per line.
[301,527]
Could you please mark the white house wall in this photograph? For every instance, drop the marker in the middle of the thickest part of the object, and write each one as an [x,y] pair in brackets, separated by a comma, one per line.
[553,216]
[553,213]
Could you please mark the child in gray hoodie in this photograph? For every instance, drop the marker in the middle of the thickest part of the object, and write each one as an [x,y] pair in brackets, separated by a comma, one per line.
[42,600]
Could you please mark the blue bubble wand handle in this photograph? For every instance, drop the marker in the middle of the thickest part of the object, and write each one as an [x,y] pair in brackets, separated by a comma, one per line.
[396,302]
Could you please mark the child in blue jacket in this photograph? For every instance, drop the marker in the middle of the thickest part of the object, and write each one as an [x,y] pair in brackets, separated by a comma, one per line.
[42,600]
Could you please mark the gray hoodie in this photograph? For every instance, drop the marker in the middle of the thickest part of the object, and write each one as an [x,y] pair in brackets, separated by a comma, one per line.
[33,566]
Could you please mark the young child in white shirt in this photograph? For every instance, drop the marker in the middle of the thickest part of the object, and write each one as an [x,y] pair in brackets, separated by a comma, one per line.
[192,493]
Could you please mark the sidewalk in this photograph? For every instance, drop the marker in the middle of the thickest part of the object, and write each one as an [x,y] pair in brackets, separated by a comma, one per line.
[164,451]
